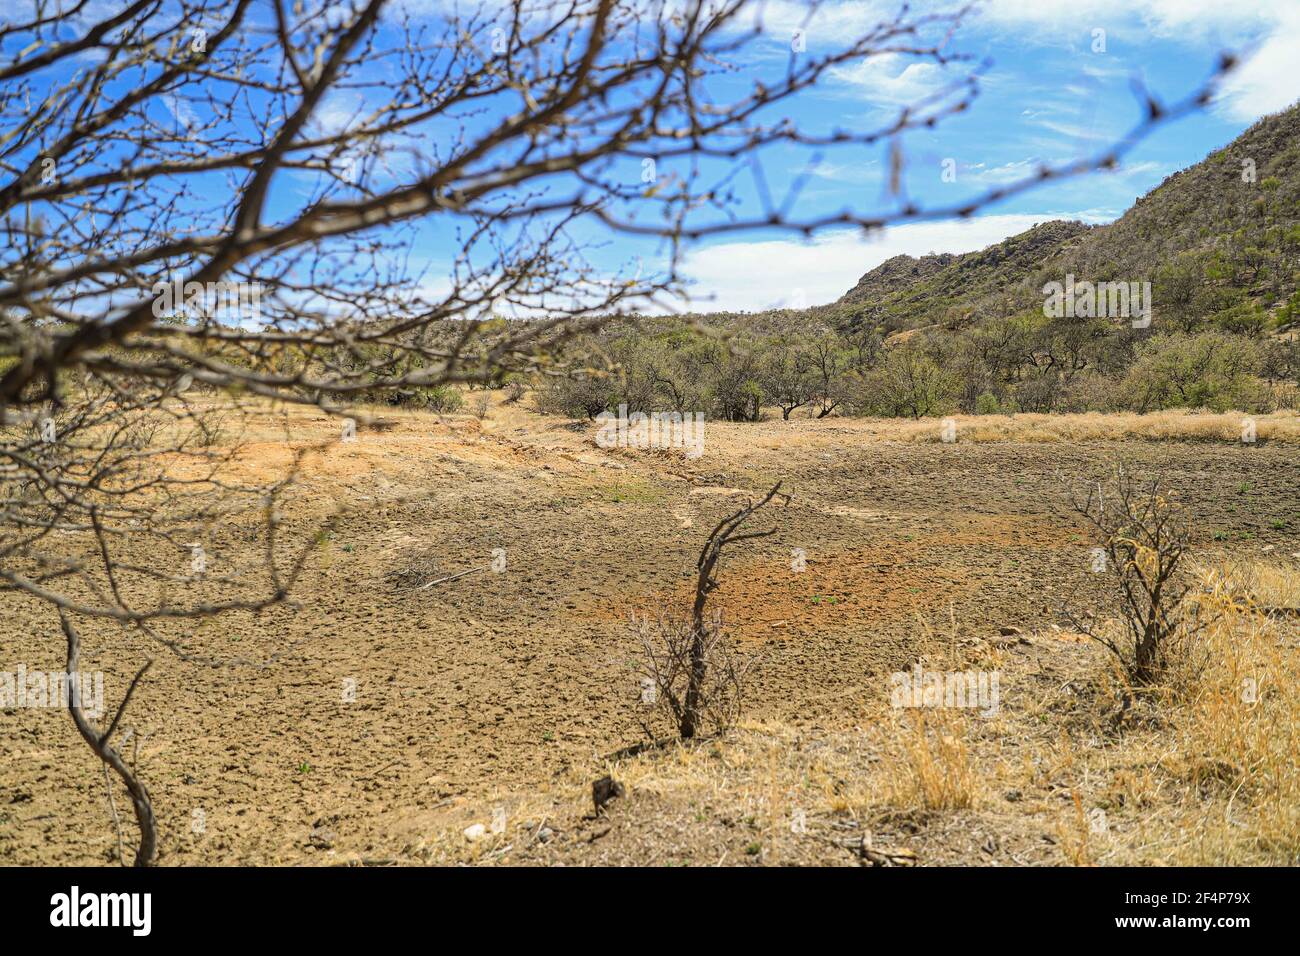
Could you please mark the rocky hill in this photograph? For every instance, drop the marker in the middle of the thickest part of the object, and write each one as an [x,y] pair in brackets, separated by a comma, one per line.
[1219,241]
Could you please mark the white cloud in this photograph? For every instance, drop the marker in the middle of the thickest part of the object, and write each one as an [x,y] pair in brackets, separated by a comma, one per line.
[786,272]
[1269,30]
[181,111]
[829,21]
[1000,175]
[832,20]
[1269,80]
[862,171]
[1193,19]
[894,79]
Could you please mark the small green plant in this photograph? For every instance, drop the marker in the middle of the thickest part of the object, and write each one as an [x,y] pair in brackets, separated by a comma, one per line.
[442,398]
[304,767]
[753,849]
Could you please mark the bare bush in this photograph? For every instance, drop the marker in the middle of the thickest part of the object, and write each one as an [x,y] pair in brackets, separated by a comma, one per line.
[668,646]
[1142,536]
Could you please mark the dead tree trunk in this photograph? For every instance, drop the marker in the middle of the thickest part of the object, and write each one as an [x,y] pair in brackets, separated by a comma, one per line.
[706,583]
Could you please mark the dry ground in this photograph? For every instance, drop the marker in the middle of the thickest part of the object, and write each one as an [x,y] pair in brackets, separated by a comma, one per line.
[510,690]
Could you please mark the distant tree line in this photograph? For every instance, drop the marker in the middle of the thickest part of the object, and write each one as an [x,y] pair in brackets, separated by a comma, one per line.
[742,368]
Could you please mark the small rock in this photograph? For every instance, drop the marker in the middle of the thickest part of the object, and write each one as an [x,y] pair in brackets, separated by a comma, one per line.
[605,790]
[883,857]
[1268,549]
[544,835]
[475,832]
[1011,796]
[321,839]
[1008,630]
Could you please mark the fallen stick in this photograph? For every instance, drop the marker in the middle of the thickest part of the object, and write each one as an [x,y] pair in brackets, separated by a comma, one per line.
[450,577]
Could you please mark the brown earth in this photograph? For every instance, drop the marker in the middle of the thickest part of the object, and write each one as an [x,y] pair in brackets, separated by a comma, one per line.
[509,689]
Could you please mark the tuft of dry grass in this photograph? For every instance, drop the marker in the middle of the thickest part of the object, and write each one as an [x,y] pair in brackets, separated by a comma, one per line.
[937,772]
[1237,727]
[1096,426]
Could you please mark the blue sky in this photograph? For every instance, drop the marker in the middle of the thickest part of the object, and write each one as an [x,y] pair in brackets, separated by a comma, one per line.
[1051,93]
[1047,97]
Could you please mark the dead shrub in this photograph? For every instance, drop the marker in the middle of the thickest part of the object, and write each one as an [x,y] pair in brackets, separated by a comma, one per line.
[1142,536]
[668,647]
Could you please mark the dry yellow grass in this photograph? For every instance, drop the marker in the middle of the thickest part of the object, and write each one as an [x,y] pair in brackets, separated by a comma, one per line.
[939,774]
[1208,774]
[1095,426]
[727,438]
[1237,726]
[255,422]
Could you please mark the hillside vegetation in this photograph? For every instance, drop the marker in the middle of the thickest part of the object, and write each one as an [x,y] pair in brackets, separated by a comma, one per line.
[1217,243]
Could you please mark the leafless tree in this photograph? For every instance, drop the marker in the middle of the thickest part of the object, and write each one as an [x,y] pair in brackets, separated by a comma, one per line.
[208,204]
[100,741]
